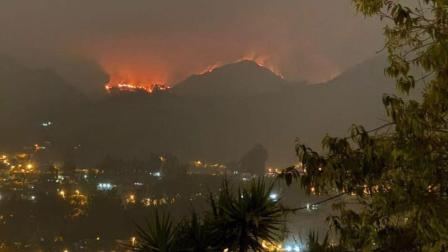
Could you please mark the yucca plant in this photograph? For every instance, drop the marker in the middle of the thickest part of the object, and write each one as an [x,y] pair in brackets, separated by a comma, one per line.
[237,221]
[242,220]
[159,234]
[194,234]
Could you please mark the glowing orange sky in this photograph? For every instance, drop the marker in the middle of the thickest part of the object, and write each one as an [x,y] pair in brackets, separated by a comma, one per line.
[160,41]
[151,73]
[149,67]
[148,75]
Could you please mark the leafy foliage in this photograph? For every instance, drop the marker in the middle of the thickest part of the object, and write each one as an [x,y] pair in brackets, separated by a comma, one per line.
[399,171]
[315,245]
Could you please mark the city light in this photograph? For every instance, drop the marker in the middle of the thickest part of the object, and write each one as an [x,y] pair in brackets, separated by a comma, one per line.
[47,124]
[156,174]
[157,202]
[310,207]
[59,179]
[293,247]
[133,240]
[62,193]
[75,187]
[130,199]
[287,246]
[38,147]
[104,186]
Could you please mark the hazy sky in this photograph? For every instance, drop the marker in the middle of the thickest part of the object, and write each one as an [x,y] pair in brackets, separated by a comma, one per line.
[166,40]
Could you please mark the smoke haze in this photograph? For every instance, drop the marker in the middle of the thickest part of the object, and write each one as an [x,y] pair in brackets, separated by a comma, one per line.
[164,41]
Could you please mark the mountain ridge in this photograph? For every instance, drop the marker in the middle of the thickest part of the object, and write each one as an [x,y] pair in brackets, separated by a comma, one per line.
[237,79]
[220,126]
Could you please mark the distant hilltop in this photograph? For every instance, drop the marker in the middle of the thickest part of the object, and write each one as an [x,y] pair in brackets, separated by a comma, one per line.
[237,79]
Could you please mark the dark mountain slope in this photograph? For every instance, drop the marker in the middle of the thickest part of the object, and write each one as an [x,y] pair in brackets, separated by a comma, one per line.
[244,78]
[220,115]
[29,97]
[217,116]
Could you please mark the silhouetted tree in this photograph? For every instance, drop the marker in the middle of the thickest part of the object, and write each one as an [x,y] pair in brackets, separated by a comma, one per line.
[154,163]
[254,161]
[172,168]
[399,171]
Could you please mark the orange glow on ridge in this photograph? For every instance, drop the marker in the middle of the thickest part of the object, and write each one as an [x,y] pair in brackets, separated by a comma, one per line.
[210,68]
[135,78]
[262,61]
[135,87]
[148,76]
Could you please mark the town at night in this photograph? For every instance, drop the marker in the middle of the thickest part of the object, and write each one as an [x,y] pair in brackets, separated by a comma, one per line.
[227,126]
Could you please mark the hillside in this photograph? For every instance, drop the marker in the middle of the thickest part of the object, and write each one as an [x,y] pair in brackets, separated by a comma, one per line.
[220,115]
[29,97]
[244,78]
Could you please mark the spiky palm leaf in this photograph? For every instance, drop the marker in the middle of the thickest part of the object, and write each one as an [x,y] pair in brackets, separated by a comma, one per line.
[194,234]
[159,234]
[244,220]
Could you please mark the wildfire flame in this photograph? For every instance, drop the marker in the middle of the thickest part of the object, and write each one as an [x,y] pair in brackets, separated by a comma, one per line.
[135,87]
[133,78]
[210,68]
[264,61]
[261,61]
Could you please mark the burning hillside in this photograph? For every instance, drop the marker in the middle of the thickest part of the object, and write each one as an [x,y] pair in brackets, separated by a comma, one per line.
[261,61]
[241,78]
[130,87]
[137,80]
